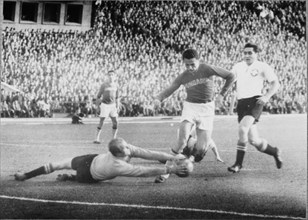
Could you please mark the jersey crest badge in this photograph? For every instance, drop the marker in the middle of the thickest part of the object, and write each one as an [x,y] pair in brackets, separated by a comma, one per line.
[254,72]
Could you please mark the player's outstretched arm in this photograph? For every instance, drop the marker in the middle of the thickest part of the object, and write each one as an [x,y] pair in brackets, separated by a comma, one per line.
[143,171]
[153,155]
[229,77]
[168,91]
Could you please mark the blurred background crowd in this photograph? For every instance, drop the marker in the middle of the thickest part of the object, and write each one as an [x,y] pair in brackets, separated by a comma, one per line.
[61,71]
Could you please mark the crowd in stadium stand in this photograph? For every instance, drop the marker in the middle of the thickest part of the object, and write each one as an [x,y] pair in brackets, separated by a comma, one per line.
[61,71]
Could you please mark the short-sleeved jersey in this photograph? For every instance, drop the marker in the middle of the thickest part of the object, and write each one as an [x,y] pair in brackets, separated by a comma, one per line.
[199,85]
[109,91]
[106,166]
[250,78]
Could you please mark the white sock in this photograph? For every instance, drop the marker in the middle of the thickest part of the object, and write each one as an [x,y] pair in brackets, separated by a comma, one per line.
[114,133]
[192,158]
[98,133]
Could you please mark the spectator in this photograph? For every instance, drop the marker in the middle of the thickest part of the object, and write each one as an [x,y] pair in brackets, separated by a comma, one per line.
[139,40]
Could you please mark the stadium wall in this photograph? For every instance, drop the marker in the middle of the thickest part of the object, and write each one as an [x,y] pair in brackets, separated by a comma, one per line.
[47,15]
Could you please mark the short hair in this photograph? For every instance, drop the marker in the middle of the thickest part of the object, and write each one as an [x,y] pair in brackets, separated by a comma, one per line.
[116,146]
[253,46]
[190,54]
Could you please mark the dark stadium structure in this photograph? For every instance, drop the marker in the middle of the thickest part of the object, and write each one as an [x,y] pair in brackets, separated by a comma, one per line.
[36,14]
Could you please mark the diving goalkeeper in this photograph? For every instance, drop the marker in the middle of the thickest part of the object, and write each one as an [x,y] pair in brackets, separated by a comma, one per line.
[93,168]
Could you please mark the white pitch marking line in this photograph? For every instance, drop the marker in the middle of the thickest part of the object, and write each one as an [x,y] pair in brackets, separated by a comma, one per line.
[149,207]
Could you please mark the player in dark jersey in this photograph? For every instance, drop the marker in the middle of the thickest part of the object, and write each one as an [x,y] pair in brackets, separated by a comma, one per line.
[108,102]
[199,106]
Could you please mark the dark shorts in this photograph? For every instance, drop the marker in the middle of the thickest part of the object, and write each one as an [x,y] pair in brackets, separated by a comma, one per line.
[249,106]
[82,166]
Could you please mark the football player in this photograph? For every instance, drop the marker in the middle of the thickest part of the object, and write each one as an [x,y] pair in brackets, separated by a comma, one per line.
[199,106]
[107,102]
[251,74]
[93,168]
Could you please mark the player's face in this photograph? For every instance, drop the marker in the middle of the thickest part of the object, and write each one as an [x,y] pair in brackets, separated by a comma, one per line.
[112,77]
[191,64]
[249,55]
[126,150]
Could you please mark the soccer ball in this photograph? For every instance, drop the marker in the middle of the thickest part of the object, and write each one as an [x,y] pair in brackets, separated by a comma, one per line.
[189,165]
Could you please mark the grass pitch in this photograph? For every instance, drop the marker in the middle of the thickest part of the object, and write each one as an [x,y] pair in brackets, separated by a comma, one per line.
[259,191]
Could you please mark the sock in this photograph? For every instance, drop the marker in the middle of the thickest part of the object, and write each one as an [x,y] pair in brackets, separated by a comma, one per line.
[240,157]
[46,169]
[114,132]
[270,150]
[241,150]
[98,133]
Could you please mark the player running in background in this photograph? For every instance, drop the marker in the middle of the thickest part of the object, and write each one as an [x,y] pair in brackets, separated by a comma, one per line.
[108,103]
[251,74]
[199,107]
[93,168]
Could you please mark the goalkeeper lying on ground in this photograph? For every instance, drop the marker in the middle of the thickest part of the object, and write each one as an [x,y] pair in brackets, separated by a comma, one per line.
[93,168]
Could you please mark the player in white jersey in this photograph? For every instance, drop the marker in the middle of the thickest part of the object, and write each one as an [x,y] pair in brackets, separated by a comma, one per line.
[199,107]
[108,102]
[251,74]
[93,168]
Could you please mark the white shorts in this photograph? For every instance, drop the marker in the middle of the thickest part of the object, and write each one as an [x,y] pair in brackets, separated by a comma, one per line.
[108,110]
[201,114]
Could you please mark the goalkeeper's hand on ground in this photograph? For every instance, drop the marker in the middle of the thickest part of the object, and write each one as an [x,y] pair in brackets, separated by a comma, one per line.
[176,169]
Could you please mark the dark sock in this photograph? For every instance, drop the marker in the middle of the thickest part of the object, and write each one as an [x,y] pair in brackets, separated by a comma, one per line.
[198,156]
[39,171]
[240,157]
[270,150]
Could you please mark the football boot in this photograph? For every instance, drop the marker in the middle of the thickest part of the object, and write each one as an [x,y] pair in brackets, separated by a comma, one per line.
[20,176]
[235,168]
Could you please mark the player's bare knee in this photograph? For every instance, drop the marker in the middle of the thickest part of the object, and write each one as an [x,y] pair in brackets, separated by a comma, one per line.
[182,142]
[56,166]
[260,144]
[65,164]
[243,131]
[115,126]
